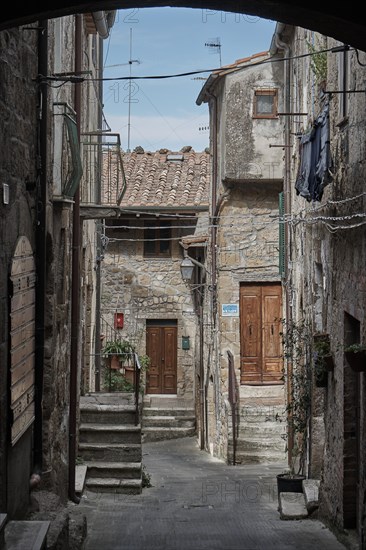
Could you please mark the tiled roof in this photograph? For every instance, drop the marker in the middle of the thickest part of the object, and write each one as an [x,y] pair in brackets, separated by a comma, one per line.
[240,62]
[154,180]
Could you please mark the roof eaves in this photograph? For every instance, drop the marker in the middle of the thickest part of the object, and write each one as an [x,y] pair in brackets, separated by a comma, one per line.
[223,71]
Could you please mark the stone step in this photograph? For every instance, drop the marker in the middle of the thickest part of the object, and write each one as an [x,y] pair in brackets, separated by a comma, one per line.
[160,411]
[109,433]
[310,488]
[159,434]
[3,520]
[105,414]
[292,506]
[114,485]
[262,414]
[26,535]
[115,470]
[112,452]
[258,457]
[258,444]
[263,429]
[168,421]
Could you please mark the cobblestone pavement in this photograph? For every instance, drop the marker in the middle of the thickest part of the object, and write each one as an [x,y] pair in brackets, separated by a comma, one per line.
[197,502]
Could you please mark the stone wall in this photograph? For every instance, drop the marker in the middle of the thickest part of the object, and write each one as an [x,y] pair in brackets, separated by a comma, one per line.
[149,288]
[327,259]
[248,182]
[18,100]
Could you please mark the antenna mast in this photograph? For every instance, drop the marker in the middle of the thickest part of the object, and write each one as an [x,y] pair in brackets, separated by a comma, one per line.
[130,93]
[215,47]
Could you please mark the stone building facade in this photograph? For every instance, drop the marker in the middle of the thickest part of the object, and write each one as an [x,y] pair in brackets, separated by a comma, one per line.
[246,142]
[164,204]
[326,257]
[43,114]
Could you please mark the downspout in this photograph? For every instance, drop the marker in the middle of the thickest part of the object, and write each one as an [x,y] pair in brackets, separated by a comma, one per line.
[98,199]
[41,241]
[280,44]
[213,206]
[75,284]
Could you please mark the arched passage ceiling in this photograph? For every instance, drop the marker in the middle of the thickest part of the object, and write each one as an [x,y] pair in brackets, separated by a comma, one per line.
[344,22]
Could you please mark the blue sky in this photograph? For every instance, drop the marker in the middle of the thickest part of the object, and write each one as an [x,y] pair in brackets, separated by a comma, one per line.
[163,113]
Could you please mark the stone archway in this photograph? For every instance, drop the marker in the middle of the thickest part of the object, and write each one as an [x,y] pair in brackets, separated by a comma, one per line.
[347,25]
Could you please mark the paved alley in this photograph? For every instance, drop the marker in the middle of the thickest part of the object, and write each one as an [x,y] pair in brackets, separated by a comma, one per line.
[197,502]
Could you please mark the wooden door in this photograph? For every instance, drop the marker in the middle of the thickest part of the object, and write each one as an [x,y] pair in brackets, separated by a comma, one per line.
[161,347]
[260,327]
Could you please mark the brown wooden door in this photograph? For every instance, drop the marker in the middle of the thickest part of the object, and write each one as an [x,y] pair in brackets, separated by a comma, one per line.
[260,327]
[161,347]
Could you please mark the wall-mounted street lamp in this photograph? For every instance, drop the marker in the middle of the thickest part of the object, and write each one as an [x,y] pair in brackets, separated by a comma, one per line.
[187,267]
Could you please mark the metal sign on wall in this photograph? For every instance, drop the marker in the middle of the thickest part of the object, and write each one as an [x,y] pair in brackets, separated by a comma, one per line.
[22,338]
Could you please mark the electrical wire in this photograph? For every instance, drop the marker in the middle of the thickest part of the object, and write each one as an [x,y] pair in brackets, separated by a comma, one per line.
[188,73]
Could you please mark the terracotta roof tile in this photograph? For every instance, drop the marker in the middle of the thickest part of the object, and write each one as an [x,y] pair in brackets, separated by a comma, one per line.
[154,180]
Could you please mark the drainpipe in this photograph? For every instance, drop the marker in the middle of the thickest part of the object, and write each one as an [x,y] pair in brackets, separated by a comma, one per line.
[41,241]
[75,284]
[213,206]
[103,21]
[98,198]
[281,45]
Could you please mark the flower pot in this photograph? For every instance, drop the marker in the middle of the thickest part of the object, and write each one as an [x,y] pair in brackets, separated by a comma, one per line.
[114,362]
[130,374]
[356,360]
[289,483]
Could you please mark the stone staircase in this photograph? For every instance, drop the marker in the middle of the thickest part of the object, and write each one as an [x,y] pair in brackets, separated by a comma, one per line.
[110,443]
[167,417]
[261,432]
[23,535]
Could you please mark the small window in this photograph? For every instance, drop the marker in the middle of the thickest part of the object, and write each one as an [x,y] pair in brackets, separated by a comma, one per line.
[265,104]
[157,239]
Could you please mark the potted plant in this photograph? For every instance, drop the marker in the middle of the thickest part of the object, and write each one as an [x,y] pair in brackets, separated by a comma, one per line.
[323,359]
[296,345]
[356,357]
[117,352]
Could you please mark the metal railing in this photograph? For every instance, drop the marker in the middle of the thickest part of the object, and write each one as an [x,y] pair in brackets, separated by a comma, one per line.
[125,374]
[233,400]
[103,181]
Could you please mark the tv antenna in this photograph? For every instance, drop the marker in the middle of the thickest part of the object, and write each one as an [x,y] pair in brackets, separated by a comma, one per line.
[130,94]
[214,46]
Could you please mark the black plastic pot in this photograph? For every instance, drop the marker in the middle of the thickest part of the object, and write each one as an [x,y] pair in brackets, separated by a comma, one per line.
[287,483]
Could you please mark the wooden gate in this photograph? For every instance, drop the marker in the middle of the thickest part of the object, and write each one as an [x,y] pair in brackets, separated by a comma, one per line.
[22,338]
[260,327]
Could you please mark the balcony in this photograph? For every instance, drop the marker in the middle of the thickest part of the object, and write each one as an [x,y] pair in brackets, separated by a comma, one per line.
[103,182]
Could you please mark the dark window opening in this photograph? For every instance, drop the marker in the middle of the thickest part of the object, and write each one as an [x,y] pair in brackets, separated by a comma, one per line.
[157,239]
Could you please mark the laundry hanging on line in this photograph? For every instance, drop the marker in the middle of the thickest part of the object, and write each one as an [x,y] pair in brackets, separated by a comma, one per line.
[315,169]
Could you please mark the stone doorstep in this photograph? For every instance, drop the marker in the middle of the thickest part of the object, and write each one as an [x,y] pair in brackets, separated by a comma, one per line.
[3,520]
[114,485]
[26,535]
[310,489]
[292,506]
[80,476]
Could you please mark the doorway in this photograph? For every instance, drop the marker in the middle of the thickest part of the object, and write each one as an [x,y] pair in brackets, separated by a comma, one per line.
[161,347]
[260,327]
